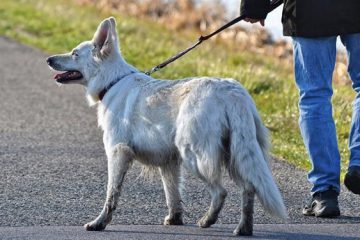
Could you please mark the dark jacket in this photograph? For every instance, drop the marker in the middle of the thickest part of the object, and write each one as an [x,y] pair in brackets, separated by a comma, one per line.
[311,18]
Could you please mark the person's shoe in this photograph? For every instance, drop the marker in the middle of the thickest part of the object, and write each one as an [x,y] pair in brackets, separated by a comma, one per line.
[323,204]
[352,179]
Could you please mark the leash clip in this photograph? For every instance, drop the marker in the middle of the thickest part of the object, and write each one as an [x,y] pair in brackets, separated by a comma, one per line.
[154,69]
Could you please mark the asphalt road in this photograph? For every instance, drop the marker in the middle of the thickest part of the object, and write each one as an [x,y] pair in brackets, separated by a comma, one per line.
[53,167]
[188,232]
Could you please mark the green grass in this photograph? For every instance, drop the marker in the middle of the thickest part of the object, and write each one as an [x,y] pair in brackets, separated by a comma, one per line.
[57,26]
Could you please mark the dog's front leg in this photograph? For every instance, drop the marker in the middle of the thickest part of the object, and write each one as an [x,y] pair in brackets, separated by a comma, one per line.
[118,163]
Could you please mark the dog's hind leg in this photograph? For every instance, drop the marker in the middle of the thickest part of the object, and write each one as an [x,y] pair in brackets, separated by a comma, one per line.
[218,195]
[118,163]
[209,171]
[245,227]
[171,178]
[209,167]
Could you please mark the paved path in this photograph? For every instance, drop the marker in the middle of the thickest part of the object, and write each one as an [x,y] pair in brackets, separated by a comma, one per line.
[53,169]
[188,232]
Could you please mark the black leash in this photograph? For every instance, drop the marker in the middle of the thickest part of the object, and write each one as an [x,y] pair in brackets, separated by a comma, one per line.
[274,4]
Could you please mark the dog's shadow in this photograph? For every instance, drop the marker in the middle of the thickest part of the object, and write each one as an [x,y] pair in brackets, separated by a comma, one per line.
[189,232]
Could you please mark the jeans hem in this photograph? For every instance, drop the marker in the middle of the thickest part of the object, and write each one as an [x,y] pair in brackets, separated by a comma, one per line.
[325,188]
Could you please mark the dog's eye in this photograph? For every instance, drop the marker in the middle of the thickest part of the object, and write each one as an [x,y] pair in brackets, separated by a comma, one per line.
[75,53]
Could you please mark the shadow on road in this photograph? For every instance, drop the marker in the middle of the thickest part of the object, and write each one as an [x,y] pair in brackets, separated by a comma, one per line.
[224,232]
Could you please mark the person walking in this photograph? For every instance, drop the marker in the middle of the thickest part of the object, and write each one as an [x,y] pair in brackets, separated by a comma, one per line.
[314,26]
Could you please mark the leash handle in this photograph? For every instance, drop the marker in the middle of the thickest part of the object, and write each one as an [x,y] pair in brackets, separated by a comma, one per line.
[274,4]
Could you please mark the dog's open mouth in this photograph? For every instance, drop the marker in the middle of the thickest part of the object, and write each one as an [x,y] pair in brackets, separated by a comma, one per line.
[68,76]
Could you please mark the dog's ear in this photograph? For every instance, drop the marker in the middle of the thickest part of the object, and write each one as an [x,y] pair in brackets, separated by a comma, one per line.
[113,22]
[113,31]
[104,38]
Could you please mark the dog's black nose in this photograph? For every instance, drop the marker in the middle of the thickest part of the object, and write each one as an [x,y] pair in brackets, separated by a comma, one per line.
[49,60]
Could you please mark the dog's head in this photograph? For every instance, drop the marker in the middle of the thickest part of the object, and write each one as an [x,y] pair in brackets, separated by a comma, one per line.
[84,62]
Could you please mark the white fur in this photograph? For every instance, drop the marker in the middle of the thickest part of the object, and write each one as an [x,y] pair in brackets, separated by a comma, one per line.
[204,123]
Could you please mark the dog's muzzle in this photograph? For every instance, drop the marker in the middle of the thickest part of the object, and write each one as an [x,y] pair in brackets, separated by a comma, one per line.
[67,76]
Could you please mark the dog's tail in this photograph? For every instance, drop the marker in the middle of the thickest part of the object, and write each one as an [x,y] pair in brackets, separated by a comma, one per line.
[249,146]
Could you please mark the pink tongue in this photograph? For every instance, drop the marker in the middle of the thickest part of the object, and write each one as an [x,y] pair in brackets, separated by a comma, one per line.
[61,75]
[57,76]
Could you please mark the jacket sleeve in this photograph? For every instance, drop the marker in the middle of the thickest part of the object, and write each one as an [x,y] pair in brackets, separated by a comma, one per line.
[257,9]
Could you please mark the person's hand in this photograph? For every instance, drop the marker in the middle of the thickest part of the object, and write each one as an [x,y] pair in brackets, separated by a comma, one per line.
[253,20]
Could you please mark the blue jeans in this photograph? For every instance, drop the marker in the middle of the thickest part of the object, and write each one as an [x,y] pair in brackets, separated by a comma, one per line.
[314,61]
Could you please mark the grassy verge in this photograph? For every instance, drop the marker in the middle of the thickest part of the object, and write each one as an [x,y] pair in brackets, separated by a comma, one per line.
[57,26]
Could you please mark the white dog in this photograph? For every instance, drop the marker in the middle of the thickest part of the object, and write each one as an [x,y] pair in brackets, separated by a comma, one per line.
[207,124]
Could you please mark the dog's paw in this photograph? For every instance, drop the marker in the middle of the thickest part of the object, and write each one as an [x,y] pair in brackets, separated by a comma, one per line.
[94,226]
[176,219]
[243,231]
[206,222]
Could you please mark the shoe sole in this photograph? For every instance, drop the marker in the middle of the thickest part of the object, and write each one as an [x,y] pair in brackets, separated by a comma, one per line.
[352,182]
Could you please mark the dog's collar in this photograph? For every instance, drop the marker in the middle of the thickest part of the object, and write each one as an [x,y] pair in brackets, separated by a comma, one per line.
[106,89]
